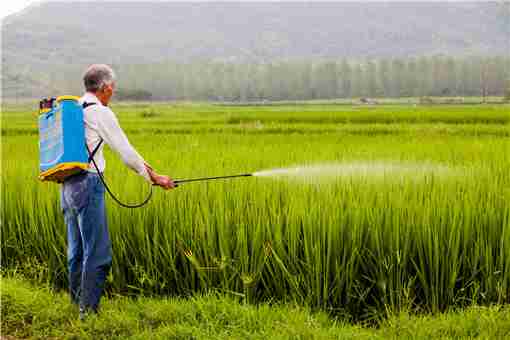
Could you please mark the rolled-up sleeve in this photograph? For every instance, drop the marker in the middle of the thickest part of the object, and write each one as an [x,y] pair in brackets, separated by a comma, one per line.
[113,135]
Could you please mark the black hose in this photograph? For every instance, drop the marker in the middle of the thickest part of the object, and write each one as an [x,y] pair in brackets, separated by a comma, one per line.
[131,206]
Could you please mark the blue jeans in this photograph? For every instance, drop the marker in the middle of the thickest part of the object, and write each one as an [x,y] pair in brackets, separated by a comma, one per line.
[89,253]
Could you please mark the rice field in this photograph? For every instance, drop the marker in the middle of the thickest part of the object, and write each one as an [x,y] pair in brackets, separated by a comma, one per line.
[384,208]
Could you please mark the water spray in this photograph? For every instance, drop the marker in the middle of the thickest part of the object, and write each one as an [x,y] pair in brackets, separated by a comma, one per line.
[331,171]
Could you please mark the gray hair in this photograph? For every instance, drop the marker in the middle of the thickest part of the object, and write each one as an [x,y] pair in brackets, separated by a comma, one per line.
[97,76]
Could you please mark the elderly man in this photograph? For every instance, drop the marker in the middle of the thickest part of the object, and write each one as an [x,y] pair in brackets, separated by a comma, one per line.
[82,196]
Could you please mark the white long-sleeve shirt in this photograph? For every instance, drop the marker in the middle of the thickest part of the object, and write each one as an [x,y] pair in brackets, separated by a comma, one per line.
[101,122]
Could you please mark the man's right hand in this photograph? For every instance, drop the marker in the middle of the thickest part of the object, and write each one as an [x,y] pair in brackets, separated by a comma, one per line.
[163,181]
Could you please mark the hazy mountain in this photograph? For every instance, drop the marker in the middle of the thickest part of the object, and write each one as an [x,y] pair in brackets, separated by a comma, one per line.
[130,32]
[66,36]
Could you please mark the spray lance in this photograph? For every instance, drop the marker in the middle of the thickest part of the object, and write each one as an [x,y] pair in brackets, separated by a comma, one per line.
[179,181]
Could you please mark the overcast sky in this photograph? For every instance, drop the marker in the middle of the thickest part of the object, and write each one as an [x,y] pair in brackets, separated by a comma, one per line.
[13,6]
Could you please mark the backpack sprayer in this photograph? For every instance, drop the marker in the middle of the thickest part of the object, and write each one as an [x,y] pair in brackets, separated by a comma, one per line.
[63,150]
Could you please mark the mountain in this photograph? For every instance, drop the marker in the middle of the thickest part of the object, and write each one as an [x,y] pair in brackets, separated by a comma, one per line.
[143,32]
[69,35]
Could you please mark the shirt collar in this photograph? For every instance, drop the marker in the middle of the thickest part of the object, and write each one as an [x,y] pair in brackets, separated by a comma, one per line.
[89,97]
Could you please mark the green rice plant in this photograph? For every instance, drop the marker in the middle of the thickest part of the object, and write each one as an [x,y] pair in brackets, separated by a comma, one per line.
[430,232]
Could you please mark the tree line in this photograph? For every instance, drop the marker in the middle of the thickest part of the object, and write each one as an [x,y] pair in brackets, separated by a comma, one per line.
[305,79]
[324,79]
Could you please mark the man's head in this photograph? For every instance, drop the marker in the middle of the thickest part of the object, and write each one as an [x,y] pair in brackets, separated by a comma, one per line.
[100,80]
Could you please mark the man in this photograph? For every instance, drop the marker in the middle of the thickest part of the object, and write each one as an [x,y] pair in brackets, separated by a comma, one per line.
[82,196]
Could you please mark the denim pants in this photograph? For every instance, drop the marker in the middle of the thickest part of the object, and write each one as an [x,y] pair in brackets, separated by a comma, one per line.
[89,254]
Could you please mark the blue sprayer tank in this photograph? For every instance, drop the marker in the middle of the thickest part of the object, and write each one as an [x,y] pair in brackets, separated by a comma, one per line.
[62,146]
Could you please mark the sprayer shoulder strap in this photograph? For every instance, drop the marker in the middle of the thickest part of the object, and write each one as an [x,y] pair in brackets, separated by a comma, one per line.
[91,154]
[85,105]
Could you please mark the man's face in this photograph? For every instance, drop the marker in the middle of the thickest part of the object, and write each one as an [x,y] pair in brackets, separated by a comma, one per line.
[107,93]
[110,90]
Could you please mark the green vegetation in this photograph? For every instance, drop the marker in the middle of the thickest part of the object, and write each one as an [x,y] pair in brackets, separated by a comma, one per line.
[321,79]
[424,226]
[309,79]
[284,118]
[38,313]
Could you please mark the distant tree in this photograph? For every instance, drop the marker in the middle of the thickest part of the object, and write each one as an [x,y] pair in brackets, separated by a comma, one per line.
[450,76]
[475,65]
[357,81]
[502,74]
[463,78]
[385,77]
[398,72]
[346,79]
[371,79]
[426,80]
[302,84]
[506,67]
[484,79]
[438,76]
[507,94]
[268,86]
[411,79]
[507,89]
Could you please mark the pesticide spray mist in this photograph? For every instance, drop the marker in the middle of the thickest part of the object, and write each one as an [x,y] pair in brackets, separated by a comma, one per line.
[359,170]
[353,170]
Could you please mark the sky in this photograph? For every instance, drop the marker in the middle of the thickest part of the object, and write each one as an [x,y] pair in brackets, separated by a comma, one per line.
[9,7]
[12,6]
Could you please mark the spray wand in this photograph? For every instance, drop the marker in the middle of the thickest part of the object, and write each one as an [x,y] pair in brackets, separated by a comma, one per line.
[180,181]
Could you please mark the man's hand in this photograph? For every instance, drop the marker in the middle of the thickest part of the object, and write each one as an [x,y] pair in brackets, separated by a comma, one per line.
[163,181]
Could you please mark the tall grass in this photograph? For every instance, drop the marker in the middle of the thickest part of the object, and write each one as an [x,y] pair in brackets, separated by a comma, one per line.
[355,245]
